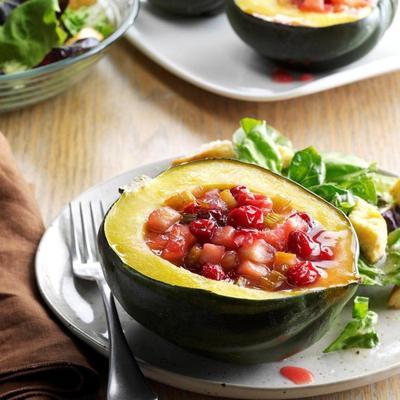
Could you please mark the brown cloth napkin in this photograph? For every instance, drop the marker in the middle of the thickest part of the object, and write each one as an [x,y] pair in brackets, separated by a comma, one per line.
[38,360]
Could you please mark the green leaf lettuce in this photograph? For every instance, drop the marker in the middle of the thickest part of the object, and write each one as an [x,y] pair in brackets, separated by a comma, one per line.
[360,332]
[30,32]
[256,142]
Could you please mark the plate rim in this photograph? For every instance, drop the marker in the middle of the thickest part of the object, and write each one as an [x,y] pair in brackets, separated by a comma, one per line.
[185,382]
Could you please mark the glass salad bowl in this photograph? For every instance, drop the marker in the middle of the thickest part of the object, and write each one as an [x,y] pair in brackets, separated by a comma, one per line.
[21,89]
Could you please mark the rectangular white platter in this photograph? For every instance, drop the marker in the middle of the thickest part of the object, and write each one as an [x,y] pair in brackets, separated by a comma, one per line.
[207,53]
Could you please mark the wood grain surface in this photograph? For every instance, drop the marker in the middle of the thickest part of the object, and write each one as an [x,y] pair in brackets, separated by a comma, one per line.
[129,112]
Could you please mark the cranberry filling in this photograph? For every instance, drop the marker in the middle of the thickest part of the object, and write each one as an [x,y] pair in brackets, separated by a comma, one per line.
[329,6]
[241,237]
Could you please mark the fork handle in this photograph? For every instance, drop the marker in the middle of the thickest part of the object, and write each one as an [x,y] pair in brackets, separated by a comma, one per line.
[125,381]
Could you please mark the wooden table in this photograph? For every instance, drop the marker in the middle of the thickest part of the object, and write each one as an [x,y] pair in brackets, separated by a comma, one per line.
[130,112]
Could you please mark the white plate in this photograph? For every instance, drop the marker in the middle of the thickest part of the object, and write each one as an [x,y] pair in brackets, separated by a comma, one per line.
[206,52]
[78,305]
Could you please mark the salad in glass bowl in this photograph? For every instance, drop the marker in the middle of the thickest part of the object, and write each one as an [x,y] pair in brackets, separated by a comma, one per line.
[47,45]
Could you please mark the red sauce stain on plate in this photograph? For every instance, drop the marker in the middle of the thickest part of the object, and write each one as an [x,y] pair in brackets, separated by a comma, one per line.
[298,375]
[306,77]
[282,76]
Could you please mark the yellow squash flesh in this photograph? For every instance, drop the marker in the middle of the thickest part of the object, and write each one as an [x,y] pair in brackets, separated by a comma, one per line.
[285,12]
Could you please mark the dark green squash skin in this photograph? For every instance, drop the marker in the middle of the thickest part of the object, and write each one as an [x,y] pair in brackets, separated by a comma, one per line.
[188,7]
[223,328]
[314,49]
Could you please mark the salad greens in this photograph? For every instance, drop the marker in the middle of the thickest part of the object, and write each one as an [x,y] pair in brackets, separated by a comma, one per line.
[24,44]
[339,179]
[360,332]
[257,142]
[385,272]
[39,32]
[340,198]
[336,177]
[307,168]
[93,16]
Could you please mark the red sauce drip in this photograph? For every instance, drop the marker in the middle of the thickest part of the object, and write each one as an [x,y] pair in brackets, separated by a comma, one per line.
[306,77]
[282,76]
[298,375]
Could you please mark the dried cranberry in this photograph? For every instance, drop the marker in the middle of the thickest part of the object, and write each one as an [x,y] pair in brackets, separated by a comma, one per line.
[302,274]
[192,208]
[242,195]
[212,200]
[306,218]
[260,201]
[213,271]
[246,217]
[325,253]
[302,245]
[242,237]
[238,190]
[203,229]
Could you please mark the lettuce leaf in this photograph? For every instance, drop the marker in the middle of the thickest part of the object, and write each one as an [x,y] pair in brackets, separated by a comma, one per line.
[340,198]
[371,274]
[391,268]
[383,184]
[256,142]
[362,186]
[360,332]
[29,33]
[307,168]
[87,17]
[339,167]
[387,271]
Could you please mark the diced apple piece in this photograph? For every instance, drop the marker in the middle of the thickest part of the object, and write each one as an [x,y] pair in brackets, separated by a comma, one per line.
[224,236]
[156,241]
[211,253]
[193,256]
[252,270]
[180,200]
[230,260]
[259,251]
[275,237]
[179,242]
[162,218]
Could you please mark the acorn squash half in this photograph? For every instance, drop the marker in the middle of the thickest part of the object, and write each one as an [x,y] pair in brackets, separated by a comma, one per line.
[188,8]
[216,318]
[278,30]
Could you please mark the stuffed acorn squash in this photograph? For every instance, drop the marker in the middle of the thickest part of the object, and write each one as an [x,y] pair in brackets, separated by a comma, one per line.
[229,259]
[311,34]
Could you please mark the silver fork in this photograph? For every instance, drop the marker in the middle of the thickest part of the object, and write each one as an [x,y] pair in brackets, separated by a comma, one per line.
[125,380]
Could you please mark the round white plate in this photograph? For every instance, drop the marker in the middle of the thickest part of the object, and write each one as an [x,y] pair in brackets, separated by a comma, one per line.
[206,52]
[78,305]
